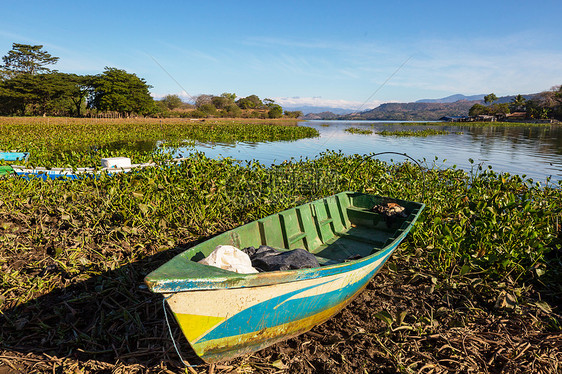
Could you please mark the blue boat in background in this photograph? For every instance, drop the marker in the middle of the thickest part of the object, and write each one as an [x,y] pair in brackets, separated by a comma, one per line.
[14,156]
[110,165]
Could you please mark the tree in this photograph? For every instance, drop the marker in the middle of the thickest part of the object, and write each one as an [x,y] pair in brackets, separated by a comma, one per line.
[78,89]
[220,102]
[232,111]
[250,102]
[119,91]
[268,102]
[488,99]
[172,101]
[478,110]
[51,93]
[558,97]
[517,103]
[27,59]
[293,114]
[230,96]
[202,100]
[275,111]
[41,94]
[497,109]
[16,94]
[208,109]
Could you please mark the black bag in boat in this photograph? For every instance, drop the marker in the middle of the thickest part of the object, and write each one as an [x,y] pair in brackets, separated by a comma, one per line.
[269,259]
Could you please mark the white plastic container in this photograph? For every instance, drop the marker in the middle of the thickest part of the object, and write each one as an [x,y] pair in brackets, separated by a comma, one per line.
[116,162]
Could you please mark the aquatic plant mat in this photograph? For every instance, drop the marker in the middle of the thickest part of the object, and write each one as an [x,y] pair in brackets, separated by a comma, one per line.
[474,288]
[79,142]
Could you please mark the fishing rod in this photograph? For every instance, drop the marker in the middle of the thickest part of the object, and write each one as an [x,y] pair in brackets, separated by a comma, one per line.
[385,82]
[373,94]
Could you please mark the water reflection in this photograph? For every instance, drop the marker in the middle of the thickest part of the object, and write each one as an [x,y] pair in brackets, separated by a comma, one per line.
[533,151]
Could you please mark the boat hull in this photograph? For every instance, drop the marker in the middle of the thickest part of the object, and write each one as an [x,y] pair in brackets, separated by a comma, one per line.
[54,173]
[224,314]
[14,156]
[69,173]
[80,173]
[238,321]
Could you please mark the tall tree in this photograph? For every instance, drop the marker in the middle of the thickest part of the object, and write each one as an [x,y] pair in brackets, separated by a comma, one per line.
[79,87]
[27,59]
[172,101]
[275,111]
[40,94]
[16,94]
[478,109]
[488,99]
[517,103]
[119,91]
[203,99]
[229,96]
[220,102]
[250,102]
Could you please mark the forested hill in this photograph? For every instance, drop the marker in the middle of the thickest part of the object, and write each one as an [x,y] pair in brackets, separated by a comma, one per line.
[416,111]
[421,110]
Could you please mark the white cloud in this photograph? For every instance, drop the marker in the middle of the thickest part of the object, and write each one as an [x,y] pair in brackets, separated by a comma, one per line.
[506,65]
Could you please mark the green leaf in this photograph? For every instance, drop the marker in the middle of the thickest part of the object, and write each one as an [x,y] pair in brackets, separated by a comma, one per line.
[465,269]
[385,317]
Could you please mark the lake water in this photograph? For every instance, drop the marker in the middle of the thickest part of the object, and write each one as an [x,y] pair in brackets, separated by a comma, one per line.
[535,151]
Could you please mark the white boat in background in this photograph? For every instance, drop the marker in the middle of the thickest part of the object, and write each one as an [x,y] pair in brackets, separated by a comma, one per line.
[110,165]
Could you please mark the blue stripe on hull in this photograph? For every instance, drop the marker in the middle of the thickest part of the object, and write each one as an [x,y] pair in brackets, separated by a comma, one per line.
[13,156]
[45,176]
[280,310]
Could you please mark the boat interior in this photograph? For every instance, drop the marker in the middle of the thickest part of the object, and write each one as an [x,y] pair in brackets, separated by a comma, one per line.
[335,229]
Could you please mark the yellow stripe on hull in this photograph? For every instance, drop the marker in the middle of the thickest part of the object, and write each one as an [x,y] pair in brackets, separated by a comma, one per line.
[239,345]
[194,326]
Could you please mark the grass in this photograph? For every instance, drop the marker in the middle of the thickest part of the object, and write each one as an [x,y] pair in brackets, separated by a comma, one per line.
[73,254]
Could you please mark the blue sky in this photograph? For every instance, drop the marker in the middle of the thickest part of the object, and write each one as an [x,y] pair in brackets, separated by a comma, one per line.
[303,52]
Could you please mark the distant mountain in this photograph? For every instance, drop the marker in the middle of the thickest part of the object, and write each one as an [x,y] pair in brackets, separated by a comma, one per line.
[415,111]
[421,110]
[323,115]
[317,109]
[453,98]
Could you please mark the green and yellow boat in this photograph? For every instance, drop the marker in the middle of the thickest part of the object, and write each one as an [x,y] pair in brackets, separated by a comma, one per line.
[224,314]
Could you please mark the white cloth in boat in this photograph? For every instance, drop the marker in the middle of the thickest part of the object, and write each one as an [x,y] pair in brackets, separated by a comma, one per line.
[230,258]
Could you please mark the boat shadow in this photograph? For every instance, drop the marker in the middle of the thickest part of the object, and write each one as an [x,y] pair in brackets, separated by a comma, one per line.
[111,317]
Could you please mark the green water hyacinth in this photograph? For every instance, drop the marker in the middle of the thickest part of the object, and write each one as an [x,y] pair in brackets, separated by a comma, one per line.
[357,130]
[491,233]
[79,142]
[425,132]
